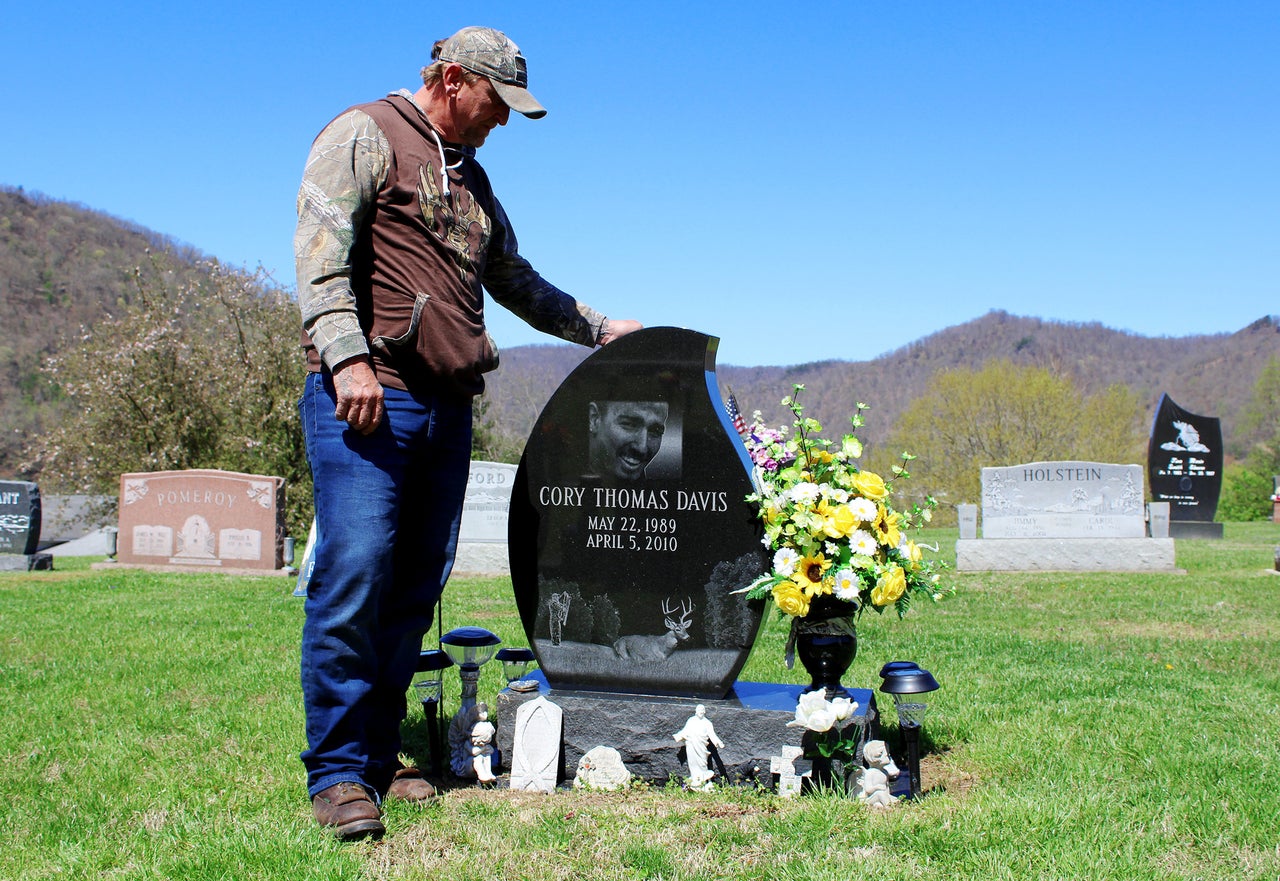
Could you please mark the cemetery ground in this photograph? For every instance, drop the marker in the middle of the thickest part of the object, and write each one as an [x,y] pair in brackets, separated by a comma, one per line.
[1089,725]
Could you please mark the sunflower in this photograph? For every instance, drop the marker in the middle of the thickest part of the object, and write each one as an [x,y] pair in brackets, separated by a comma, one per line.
[811,575]
[886,527]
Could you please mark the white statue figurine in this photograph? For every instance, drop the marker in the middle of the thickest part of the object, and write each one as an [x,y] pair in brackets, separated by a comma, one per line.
[696,735]
[482,733]
[874,790]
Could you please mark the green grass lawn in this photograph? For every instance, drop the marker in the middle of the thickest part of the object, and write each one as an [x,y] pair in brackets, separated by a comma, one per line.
[1094,726]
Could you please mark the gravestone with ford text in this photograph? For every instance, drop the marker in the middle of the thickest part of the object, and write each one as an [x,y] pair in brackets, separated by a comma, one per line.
[1184,465]
[201,519]
[482,535]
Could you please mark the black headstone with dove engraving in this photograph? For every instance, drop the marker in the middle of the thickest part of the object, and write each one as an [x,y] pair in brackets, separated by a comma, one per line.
[1184,462]
[628,529]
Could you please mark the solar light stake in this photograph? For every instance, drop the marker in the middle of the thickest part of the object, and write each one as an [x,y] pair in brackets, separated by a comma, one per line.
[470,648]
[515,664]
[906,681]
[428,686]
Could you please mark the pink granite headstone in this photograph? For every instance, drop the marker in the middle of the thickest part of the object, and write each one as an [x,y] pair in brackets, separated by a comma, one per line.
[203,519]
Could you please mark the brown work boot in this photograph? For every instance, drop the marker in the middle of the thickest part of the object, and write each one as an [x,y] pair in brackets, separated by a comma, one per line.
[348,808]
[408,784]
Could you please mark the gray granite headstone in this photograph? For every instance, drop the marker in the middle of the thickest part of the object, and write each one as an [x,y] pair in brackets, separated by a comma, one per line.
[482,537]
[484,508]
[967,515]
[629,531]
[1158,518]
[535,752]
[752,722]
[1063,500]
[19,517]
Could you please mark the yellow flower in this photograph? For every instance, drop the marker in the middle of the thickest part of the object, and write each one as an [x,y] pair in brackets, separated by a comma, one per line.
[810,575]
[870,485]
[817,456]
[791,599]
[915,555]
[838,520]
[892,584]
[886,528]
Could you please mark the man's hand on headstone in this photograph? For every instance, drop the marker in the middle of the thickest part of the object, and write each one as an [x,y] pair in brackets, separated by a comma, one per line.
[359,395]
[616,327]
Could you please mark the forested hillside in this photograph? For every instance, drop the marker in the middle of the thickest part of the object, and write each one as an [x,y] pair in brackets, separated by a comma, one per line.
[64,267]
[1213,375]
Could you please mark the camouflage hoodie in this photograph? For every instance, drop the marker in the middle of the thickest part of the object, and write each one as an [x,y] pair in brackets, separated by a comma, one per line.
[397,234]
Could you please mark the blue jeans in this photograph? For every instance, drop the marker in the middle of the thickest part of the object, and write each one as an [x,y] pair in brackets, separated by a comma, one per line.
[387,512]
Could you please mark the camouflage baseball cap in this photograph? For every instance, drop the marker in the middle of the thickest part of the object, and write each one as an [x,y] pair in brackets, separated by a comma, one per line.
[489,53]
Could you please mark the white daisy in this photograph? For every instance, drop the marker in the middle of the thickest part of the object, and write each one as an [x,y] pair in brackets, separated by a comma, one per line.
[846,586]
[862,543]
[784,562]
[805,493]
[864,509]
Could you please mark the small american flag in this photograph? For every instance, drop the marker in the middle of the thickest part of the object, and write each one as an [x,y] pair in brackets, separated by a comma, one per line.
[735,415]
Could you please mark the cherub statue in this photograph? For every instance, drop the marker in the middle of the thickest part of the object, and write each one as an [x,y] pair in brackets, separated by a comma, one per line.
[471,744]
[482,745]
[874,784]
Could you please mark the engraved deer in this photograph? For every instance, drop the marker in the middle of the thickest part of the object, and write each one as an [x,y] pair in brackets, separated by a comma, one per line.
[659,647]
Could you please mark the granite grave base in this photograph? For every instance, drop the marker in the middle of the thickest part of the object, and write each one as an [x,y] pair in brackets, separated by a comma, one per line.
[1066,554]
[1195,529]
[752,722]
[25,562]
[481,558]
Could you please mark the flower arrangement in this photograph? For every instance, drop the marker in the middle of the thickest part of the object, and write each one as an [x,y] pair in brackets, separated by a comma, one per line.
[838,542]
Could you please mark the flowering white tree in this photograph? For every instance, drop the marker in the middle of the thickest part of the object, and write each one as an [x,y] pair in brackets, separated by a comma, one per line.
[199,370]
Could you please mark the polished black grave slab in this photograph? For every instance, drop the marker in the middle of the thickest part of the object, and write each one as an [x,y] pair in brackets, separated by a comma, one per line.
[629,530]
[19,517]
[1184,468]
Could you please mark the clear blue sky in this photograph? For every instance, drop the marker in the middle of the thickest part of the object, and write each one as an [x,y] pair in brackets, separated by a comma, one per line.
[805,181]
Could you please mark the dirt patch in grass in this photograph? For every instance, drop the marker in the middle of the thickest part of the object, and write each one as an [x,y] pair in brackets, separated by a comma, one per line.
[942,772]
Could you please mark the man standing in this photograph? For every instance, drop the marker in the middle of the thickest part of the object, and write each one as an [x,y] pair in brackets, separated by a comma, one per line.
[398,230]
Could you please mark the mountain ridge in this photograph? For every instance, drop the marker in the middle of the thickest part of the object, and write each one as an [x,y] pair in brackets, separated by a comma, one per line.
[1209,374]
[64,266]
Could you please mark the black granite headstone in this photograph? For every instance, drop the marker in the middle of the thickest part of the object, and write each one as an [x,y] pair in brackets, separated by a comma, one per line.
[628,528]
[19,517]
[1184,462]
